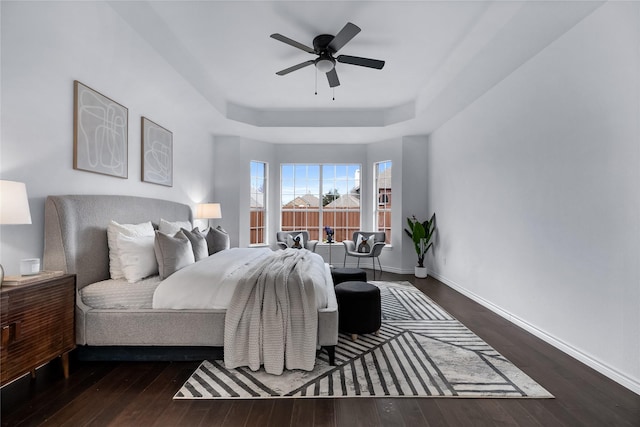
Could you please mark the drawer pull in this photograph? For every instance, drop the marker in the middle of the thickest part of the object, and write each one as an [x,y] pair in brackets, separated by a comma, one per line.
[11,333]
[6,334]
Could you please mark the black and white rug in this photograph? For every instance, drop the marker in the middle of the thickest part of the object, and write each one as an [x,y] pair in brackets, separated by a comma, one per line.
[421,351]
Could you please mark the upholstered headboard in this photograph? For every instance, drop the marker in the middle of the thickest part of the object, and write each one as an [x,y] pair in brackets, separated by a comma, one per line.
[75,229]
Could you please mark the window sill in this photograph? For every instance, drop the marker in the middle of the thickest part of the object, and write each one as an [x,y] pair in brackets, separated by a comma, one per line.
[259,245]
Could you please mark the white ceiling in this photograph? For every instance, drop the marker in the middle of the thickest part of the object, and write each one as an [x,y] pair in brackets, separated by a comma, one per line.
[440,56]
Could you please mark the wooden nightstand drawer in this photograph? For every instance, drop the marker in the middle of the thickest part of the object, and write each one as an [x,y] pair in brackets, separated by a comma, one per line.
[37,321]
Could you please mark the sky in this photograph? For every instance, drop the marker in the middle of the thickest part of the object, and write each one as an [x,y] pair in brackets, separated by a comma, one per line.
[301,179]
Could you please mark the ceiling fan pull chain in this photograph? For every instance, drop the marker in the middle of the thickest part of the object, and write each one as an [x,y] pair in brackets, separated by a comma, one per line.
[316,81]
[334,93]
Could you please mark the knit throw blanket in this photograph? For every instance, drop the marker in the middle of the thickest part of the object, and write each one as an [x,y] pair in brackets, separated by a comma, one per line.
[272,319]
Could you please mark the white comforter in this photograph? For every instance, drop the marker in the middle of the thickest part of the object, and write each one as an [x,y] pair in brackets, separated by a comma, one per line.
[211,282]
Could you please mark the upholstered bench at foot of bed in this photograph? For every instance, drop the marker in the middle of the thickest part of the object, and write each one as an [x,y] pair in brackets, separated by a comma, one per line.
[359,309]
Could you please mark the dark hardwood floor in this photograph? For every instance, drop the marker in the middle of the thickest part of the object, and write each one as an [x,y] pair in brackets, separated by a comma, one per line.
[140,393]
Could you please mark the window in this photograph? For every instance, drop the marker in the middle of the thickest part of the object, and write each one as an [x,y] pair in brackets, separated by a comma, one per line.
[258,204]
[314,196]
[382,188]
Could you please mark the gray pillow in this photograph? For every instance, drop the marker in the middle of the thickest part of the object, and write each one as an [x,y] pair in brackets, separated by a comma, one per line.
[217,239]
[172,253]
[198,243]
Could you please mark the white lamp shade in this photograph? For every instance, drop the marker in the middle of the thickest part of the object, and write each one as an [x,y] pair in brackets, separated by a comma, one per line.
[324,65]
[14,204]
[208,211]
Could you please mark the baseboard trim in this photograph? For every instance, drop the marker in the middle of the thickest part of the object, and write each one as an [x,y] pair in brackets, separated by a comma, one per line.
[606,370]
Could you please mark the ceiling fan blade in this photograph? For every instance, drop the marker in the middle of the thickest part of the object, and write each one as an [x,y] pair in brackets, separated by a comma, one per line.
[291,42]
[348,32]
[363,62]
[332,76]
[295,67]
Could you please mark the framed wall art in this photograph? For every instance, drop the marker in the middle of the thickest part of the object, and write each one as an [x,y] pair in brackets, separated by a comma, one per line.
[157,153]
[100,129]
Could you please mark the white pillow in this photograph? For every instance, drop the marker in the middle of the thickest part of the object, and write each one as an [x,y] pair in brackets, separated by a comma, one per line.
[364,243]
[172,227]
[131,230]
[296,242]
[137,257]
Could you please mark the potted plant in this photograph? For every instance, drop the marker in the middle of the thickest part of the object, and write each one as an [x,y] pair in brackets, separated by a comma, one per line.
[421,234]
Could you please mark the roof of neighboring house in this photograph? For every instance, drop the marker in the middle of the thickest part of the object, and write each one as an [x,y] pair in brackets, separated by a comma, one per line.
[257,199]
[345,201]
[308,201]
[384,179]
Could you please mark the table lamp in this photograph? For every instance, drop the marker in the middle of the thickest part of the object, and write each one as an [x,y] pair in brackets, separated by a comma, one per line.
[208,211]
[14,207]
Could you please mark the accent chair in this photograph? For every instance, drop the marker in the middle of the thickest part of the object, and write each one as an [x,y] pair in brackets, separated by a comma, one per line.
[287,239]
[365,244]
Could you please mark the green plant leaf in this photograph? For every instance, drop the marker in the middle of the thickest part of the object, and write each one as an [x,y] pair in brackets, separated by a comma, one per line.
[421,232]
[418,232]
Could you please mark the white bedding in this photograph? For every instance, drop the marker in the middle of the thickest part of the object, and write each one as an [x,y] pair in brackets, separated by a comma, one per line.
[211,282]
[120,294]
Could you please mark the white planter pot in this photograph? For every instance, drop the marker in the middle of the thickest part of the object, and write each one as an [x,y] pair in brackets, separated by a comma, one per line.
[421,272]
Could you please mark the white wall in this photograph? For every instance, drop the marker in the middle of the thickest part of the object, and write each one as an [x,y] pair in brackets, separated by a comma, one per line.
[414,197]
[45,47]
[232,185]
[408,180]
[536,190]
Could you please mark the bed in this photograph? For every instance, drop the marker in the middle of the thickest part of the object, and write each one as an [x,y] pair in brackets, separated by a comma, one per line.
[76,242]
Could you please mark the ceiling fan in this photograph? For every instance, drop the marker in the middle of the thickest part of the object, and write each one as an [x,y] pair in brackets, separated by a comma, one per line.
[325,46]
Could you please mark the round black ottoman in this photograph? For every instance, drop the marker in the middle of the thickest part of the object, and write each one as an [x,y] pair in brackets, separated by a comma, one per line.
[340,275]
[359,310]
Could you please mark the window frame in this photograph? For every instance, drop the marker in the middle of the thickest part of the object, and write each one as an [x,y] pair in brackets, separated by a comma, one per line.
[263,225]
[386,207]
[321,192]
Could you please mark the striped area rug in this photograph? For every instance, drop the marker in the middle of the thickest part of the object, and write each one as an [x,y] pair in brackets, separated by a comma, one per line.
[420,351]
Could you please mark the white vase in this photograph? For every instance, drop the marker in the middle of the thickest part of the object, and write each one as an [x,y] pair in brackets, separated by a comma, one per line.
[421,272]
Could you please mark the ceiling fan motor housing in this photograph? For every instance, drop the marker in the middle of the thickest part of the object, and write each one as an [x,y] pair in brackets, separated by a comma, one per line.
[321,44]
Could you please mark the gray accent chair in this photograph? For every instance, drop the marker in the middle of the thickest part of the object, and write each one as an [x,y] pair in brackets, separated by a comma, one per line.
[281,239]
[374,252]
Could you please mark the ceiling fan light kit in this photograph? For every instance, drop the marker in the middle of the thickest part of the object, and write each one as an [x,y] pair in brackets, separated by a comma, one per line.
[325,64]
[325,46]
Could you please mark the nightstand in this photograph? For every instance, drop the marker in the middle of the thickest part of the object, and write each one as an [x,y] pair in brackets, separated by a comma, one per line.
[37,320]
